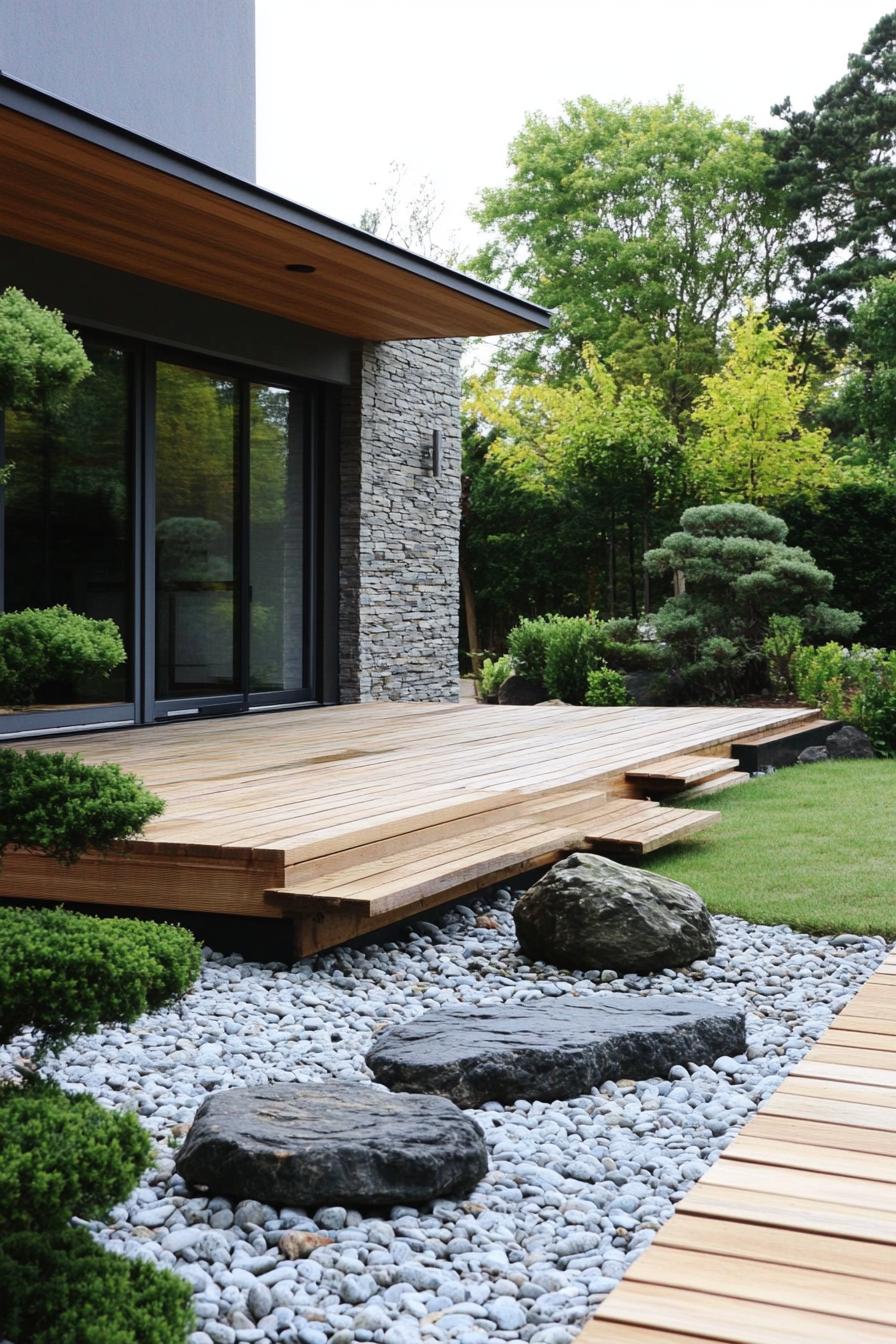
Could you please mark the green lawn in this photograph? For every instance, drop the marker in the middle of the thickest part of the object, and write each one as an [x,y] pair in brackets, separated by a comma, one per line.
[813,846]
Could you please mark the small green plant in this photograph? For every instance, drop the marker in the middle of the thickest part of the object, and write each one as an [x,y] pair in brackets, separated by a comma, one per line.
[857,684]
[41,361]
[785,635]
[63,1156]
[60,1287]
[606,687]
[493,673]
[54,645]
[62,805]
[63,973]
[560,651]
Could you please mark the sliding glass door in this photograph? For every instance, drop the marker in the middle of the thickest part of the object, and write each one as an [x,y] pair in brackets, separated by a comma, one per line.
[231,573]
[174,496]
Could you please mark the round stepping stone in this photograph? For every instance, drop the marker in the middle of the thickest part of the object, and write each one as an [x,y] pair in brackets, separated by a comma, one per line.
[332,1143]
[558,1047]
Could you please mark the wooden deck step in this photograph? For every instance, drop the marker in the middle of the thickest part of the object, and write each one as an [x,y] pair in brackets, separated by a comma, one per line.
[679,772]
[647,829]
[370,887]
[729,780]
[781,746]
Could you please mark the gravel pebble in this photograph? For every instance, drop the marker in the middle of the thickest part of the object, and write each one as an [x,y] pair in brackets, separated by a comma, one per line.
[576,1188]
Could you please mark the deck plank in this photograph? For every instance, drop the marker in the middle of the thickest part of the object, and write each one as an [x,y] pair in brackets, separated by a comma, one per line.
[791,1234]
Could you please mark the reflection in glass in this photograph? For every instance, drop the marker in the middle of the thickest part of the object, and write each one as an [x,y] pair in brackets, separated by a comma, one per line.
[196,539]
[276,493]
[68,532]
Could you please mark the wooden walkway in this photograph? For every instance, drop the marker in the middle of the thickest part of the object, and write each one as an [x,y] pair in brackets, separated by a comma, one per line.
[342,820]
[790,1238]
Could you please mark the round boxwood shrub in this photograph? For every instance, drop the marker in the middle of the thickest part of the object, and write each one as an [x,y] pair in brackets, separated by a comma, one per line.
[62,1288]
[61,805]
[64,1156]
[63,973]
[40,359]
[53,644]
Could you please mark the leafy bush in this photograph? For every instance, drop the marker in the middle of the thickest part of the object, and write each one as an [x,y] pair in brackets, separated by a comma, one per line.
[493,673]
[63,806]
[53,645]
[857,684]
[65,973]
[606,687]
[785,635]
[560,651]
[40,359]
[62,1288]
[738,573]
[62,1155]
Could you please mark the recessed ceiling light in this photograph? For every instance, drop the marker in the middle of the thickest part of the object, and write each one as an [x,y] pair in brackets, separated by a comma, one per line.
[301,266]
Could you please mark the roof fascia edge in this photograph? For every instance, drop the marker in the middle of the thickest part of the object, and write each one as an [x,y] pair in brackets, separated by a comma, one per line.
[46,107]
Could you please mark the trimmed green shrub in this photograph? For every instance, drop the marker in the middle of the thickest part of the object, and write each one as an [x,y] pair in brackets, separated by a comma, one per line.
[606,687]
[53,645]
[62,1288]
[59,804]
[785,635]
[493,673]
[738,573]
[64,973]
[857,684]
[64,1155]
[40,359]
[560,651]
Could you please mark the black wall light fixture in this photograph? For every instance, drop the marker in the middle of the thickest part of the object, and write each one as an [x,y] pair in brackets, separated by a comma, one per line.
[433,452]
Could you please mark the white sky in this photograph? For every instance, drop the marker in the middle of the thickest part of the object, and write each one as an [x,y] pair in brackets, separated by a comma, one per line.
[347,86]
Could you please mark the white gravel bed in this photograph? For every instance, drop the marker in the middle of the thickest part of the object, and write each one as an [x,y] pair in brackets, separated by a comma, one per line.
[576,1189]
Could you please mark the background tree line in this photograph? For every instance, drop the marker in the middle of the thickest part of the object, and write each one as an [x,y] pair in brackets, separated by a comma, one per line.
[725,330]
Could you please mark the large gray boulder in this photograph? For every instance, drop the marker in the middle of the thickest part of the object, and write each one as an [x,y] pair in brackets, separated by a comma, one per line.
[334,1143]
[849,744]
[557,1047]
[590,913]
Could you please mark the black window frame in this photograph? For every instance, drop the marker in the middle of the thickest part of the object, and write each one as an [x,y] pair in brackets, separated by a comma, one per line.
[143,709]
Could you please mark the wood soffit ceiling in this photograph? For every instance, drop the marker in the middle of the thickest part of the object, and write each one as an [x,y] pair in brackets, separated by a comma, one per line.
[80,186]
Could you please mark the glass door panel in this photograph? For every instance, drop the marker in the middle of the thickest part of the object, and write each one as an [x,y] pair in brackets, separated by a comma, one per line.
[68,529]
[196,534]
[276,539]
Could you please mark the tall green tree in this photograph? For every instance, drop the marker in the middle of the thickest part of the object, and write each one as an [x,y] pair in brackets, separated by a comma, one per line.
[834,169]
[862,410]
[643,225]
[606,450]
[752,443]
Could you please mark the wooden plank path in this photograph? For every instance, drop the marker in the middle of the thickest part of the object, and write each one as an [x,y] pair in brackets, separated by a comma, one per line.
[342,819]
[790,1237]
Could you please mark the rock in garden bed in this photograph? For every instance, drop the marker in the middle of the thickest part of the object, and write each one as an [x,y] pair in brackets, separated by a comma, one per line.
[554,1047]
[590,913]
[335,1143]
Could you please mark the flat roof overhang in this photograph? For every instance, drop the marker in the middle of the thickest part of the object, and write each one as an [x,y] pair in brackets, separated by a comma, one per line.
[80,185]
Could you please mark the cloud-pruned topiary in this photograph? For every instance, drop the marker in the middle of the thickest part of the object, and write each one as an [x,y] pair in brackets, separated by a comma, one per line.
[62,1288]
[737,572]
[64,1156]
[56,803]
[53,644]
[63,973]
[41,361]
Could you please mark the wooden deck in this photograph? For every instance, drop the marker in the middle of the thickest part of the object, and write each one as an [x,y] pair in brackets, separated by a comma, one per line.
[343,819]
[790,1238]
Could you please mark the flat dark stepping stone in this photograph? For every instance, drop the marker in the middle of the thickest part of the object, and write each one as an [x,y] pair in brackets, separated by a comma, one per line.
[557,1047]
[332,1143]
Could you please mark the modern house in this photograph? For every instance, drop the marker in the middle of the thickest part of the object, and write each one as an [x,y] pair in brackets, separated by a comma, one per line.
[260,480]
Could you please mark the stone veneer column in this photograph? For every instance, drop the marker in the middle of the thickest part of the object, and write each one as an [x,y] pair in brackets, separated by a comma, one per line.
[399,526]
